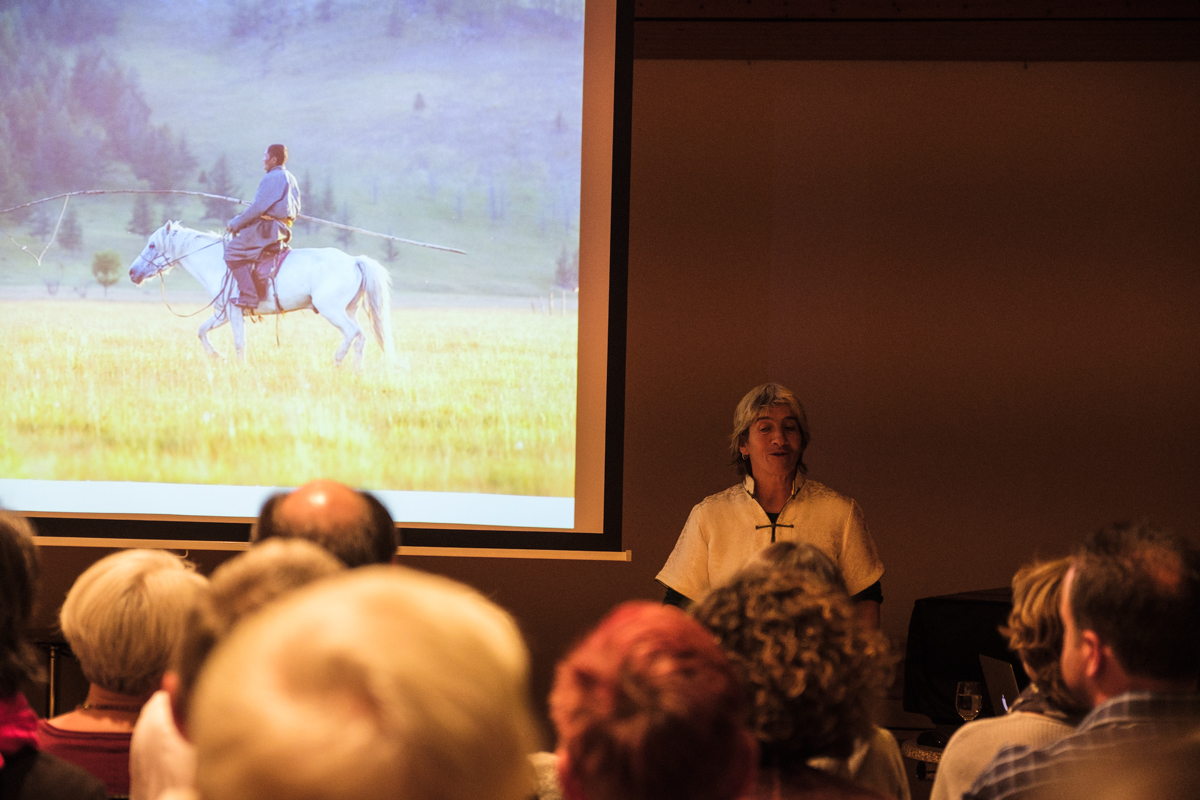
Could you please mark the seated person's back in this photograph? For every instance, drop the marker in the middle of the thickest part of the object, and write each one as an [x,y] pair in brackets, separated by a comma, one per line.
[1045,711]
[816,673]
[1130,610]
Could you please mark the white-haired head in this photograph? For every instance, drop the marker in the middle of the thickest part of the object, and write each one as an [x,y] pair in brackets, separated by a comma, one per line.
[383,682]
[125,615]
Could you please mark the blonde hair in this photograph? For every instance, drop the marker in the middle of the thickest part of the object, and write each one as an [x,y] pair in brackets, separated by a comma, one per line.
[238,588]
[1034,629]
[125,614]
[379,682]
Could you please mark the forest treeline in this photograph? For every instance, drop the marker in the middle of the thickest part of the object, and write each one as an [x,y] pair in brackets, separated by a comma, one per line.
[272,18]
[69,110]
[64,121]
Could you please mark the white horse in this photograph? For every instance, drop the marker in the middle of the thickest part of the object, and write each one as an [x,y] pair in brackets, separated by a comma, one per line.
[323,279]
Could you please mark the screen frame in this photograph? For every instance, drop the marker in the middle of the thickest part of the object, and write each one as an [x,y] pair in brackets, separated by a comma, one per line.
[192,533]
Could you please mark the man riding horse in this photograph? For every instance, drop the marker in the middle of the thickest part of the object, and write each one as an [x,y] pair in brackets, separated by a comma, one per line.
[263,229]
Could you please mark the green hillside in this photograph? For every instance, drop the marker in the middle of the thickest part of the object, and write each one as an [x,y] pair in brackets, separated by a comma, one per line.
[486,159]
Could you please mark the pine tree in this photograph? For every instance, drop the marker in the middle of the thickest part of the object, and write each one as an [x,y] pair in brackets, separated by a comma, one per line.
[566,272]
[328,207]
[41,223]
[12,185]
[395,25]
[343,236]
[172,207]
[182,163]
[220,183]
[142,222]
[70,235]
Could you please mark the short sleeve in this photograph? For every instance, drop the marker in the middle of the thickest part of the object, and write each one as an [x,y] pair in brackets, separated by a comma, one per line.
[686,570]
[858,560]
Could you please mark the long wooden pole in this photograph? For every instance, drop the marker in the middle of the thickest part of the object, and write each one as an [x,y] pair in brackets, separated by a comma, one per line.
[331,223]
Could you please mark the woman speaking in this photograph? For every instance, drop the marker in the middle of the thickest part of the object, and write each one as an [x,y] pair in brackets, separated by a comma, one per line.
[774,502]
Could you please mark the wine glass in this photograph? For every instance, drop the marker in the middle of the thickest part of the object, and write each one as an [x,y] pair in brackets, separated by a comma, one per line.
[968,699]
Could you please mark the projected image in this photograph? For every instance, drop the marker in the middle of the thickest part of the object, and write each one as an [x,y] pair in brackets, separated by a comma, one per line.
[414,129]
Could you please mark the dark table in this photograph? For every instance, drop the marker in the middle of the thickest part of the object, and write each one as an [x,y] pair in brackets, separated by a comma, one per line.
[946,636]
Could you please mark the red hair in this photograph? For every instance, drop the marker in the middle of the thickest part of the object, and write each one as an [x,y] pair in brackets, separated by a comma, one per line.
[648,708]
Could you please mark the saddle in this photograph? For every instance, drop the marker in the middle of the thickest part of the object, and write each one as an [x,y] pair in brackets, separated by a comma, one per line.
[264,272]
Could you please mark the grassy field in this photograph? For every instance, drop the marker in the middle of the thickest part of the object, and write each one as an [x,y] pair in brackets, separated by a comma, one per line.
[472,401]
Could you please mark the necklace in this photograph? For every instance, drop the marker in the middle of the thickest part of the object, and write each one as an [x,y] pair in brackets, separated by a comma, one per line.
[105,707]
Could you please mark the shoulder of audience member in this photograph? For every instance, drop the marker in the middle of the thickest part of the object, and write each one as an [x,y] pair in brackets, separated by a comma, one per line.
[34,775]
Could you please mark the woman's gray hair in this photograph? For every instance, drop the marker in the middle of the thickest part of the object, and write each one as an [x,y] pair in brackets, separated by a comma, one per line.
[758,398]
[125,615]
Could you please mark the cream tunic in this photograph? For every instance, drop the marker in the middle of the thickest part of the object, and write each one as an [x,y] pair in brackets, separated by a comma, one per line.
[725,530]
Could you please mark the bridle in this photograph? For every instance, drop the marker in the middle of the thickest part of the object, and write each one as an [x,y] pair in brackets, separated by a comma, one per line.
[168,263]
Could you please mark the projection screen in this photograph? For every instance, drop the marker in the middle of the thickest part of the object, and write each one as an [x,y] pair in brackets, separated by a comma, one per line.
[467,148]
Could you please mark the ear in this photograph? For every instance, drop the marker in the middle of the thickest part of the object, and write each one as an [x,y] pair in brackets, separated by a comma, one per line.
[1093,654]
[170,685]
[169,225]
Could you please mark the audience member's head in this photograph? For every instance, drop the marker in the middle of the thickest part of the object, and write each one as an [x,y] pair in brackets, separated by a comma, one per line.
[1034,628]
[747,411]
[376,683]
[815,674]
[1130,612]
[238,588]
[18,580]
[125,615]
[352,525]
[802,557]
[648,708]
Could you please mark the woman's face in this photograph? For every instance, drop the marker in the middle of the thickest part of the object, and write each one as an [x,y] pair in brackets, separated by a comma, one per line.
[773,443]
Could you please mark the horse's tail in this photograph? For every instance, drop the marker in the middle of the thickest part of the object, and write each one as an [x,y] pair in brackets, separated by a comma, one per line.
[377,282]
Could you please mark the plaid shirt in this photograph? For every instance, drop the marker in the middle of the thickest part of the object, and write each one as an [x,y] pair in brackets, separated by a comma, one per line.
[1019,771]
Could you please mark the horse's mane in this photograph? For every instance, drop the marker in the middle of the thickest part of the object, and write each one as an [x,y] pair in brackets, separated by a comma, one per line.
[187,234]
[209,234]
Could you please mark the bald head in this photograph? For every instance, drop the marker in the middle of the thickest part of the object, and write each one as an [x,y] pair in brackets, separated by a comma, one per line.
[352,525]
[326,505]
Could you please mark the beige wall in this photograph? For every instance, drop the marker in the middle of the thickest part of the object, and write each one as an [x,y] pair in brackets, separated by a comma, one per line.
[982,280]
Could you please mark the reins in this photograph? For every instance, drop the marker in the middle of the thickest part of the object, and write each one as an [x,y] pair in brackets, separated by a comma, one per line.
[170,262]
[221,292]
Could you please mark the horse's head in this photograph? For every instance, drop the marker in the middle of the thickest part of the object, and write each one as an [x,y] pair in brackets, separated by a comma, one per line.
[154,257]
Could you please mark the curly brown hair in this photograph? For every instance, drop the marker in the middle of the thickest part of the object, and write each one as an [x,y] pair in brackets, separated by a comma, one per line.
[815,675]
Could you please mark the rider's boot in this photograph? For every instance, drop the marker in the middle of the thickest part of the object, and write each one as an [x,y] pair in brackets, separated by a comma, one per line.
[242,272]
